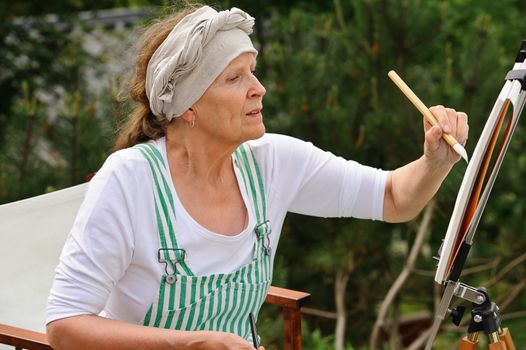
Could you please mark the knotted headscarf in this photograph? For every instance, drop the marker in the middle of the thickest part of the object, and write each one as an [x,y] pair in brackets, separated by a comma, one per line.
[193,55]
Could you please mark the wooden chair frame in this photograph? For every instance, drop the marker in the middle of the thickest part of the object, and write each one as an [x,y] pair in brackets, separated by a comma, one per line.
[289,300]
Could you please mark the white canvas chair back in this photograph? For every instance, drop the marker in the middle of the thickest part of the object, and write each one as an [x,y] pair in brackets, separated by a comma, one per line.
[32,233]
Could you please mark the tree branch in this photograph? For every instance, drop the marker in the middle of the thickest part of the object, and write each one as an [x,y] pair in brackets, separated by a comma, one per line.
[340,286]
[419,342]
[320,313]
[512,295]
[406,271]
[521,258]
[479,268]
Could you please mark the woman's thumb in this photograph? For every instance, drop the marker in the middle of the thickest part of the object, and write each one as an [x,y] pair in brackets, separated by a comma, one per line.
[433,136]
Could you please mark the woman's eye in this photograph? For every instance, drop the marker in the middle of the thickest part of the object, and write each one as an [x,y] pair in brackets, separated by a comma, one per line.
[233,78]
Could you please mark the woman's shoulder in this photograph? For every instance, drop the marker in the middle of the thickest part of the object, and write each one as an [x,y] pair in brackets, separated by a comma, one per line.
[126,164]
[133,153]
[276,152]
[132,156]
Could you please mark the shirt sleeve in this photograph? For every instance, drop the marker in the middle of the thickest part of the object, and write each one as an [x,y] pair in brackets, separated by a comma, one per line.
[318,183]
[99,247]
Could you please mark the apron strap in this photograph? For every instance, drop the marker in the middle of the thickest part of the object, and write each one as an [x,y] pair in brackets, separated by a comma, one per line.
[252,178]
[165,211]
[254,187]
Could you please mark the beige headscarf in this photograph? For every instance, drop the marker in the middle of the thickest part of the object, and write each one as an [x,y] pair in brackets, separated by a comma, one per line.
[193,55]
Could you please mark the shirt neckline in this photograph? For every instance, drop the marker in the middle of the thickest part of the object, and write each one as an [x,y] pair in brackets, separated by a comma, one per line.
[200,229]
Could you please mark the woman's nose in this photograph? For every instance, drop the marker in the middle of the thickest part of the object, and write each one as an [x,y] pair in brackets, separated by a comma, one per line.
[257,89]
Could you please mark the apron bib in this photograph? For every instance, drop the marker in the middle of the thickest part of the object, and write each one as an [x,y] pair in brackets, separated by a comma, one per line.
[217,302]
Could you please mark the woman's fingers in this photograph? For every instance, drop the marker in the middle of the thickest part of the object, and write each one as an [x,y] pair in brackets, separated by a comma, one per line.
[452,122]
[462,128]
[442,115]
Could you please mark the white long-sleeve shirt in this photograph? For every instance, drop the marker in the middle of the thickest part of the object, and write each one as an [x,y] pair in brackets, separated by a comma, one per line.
[109,263]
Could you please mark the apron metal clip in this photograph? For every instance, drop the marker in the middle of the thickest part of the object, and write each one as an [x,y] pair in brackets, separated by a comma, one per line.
[170,256]
[263,231]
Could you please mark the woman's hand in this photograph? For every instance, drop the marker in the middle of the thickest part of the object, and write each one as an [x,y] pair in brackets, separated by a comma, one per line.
[410,187]
[209,340]
[436,149]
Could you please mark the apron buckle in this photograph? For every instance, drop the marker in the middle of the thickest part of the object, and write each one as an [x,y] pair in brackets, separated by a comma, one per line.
[170,256]
[170,279]
[263,231]
[267,250]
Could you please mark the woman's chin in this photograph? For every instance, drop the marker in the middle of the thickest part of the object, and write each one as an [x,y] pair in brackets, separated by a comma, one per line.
[261,131]
[255,132]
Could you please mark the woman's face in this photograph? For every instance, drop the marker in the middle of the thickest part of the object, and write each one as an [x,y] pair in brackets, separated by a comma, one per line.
[230,109]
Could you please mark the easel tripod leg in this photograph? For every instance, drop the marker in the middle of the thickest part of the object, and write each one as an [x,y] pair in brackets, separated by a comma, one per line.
[505,336]
[495,343]
[469,342]
[500,345]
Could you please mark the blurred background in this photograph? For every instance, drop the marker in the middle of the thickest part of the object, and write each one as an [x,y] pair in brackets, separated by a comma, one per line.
[63,71]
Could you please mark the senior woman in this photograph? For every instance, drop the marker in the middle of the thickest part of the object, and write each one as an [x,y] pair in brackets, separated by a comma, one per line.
[174,243]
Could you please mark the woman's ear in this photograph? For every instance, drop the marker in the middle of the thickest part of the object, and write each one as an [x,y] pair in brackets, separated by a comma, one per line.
[188,115]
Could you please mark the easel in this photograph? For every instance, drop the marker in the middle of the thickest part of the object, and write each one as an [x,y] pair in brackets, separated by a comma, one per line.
[485,316]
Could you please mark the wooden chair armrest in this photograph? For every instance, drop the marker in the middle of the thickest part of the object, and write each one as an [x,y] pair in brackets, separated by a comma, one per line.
[23,338]
[286,298]
[291,301]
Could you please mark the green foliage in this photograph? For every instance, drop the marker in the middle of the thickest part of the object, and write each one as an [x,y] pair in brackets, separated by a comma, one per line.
[325,66]
[54,126]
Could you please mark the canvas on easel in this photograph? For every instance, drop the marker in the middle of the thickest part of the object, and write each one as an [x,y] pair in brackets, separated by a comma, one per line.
[480,175]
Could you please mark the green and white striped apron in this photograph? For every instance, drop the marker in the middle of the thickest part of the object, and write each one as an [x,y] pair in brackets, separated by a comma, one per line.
[218,302]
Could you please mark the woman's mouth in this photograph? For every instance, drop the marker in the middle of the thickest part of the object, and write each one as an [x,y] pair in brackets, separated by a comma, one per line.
[255,112]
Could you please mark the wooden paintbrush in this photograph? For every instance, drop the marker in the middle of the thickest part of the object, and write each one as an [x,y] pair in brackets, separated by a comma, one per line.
[426,112]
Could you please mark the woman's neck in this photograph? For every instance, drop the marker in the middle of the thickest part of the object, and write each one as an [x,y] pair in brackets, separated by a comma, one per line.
[205,180]
[198,159]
